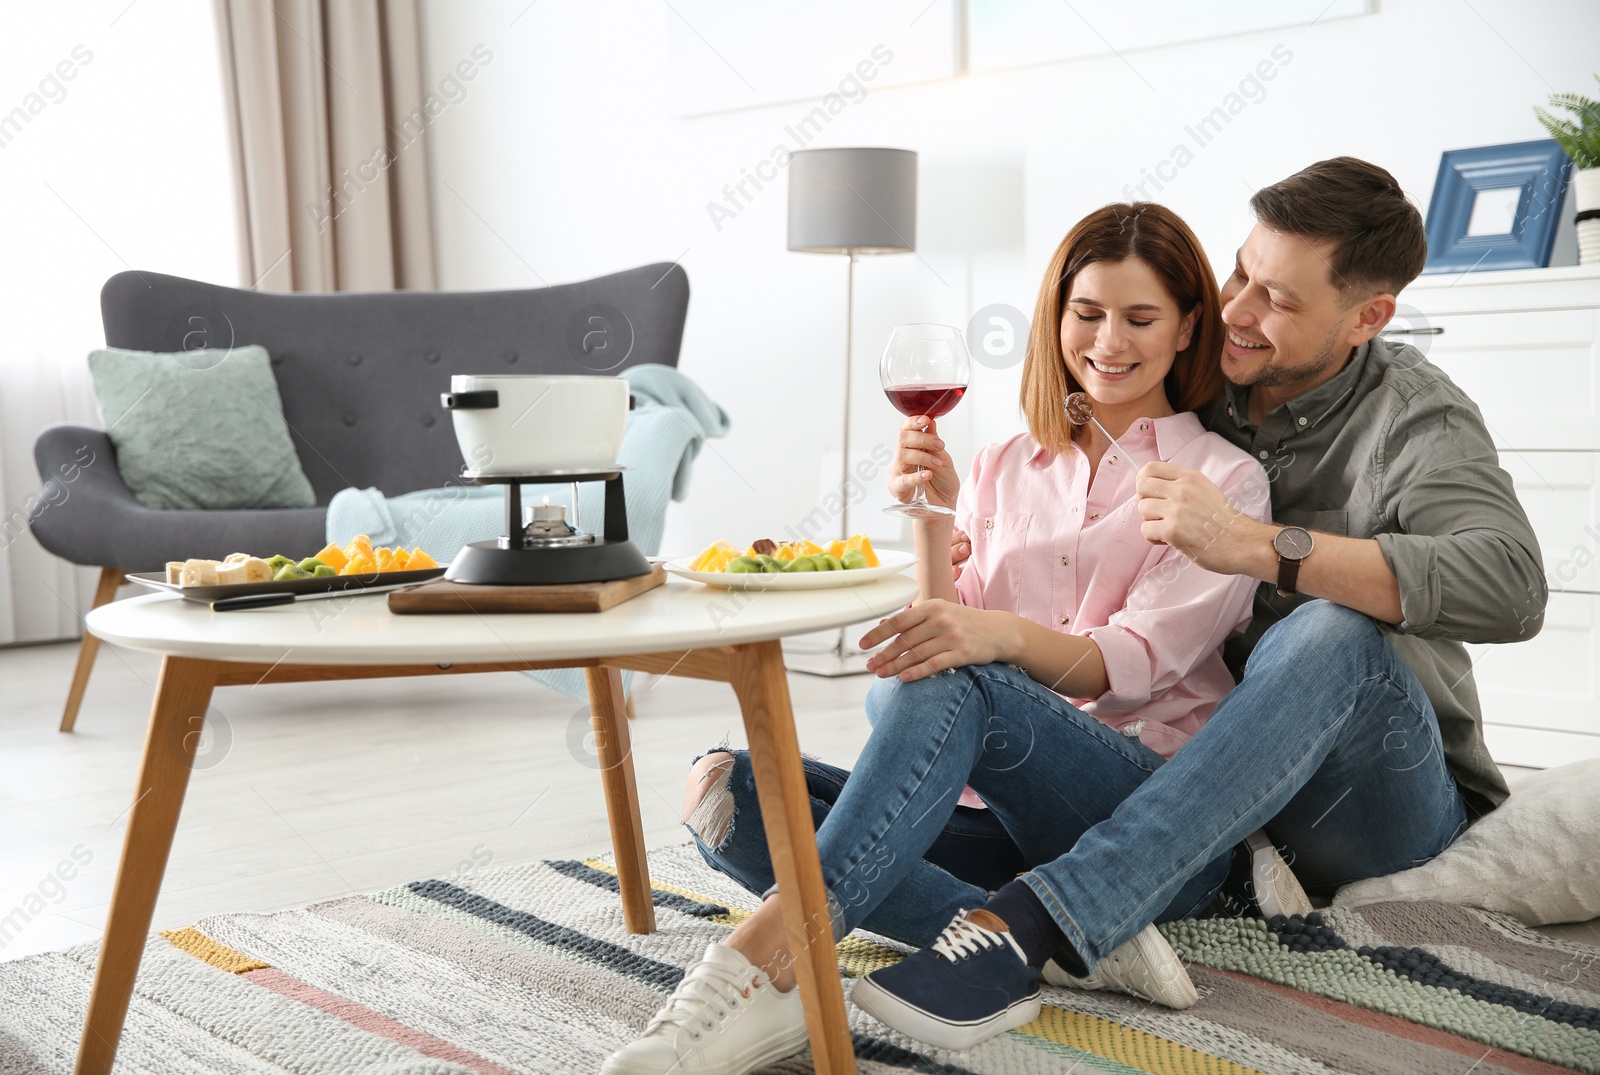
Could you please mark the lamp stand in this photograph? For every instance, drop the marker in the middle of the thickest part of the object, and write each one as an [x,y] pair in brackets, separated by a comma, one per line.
[842,659]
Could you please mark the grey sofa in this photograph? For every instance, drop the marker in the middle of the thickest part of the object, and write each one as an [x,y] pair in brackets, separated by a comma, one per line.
[360,375]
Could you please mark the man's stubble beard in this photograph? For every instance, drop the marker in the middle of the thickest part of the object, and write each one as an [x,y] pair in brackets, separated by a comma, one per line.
[1270,376]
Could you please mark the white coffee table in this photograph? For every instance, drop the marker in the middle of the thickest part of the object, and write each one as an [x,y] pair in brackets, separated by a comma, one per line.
[680,628]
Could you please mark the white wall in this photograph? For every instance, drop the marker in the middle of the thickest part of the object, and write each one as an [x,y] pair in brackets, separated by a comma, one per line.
[123,166]
[565,162]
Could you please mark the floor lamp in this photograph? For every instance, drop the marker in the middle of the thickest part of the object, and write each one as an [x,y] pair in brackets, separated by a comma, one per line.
[851,202]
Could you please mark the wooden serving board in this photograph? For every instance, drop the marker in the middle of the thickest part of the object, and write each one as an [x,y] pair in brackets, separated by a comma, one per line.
[442,596]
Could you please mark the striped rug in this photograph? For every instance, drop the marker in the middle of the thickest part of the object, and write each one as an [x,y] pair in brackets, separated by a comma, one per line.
[530,969]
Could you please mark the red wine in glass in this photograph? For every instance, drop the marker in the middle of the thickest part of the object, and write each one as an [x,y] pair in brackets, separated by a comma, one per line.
[933,400]
[924,371]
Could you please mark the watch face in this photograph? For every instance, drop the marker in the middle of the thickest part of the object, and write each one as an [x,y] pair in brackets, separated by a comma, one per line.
[1293,543]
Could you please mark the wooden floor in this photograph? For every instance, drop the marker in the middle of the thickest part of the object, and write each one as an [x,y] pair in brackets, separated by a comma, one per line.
[311,791]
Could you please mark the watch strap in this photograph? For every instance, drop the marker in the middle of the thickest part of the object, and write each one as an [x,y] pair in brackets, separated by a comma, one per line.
[1288,575]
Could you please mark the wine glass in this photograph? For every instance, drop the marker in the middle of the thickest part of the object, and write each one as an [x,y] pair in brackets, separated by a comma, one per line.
[925,370]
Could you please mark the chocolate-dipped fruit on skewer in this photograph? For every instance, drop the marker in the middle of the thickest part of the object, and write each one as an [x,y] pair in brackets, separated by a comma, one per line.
[1080,412]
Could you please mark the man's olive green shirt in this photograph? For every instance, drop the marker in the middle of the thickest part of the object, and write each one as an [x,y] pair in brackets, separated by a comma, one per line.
[1391,449]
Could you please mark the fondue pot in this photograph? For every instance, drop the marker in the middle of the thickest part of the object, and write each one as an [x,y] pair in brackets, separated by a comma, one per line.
[509,424]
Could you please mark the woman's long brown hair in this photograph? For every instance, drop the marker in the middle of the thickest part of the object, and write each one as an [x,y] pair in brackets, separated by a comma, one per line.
[1158,237]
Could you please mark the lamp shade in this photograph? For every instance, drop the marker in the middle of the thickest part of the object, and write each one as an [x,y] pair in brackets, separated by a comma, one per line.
[853,201]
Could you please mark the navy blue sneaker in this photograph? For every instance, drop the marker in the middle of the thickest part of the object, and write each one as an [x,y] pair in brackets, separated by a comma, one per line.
[966,987]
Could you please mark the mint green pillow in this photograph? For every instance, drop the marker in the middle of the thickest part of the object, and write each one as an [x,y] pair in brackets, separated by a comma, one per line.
[199,429]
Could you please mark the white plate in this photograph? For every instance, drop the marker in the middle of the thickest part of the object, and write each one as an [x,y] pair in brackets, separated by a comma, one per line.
[890,562]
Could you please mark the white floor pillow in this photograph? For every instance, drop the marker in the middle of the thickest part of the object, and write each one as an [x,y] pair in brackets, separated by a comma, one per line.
[1535,857]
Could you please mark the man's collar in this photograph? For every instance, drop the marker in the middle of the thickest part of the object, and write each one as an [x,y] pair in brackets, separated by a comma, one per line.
[1237,397]
[1308,409]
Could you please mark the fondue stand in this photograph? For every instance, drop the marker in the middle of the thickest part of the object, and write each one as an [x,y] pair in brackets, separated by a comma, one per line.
[542,548]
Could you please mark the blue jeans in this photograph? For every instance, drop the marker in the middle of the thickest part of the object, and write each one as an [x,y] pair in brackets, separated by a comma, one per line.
[971,856]
[1329,743]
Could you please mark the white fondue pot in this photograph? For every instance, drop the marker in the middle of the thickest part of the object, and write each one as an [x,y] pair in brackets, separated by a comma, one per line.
[507,424]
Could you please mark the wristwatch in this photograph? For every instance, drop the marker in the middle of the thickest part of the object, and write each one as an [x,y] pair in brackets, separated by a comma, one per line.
[1293,544]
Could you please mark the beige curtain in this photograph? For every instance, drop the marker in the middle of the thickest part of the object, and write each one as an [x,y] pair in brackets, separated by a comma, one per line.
[329,130]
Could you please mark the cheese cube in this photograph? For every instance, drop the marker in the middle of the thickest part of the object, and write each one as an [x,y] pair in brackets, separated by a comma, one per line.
[175,572]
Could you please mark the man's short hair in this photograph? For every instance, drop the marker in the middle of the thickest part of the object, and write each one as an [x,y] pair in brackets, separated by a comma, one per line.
[1379,241]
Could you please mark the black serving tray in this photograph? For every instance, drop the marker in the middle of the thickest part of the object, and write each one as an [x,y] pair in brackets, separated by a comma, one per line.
[157,580]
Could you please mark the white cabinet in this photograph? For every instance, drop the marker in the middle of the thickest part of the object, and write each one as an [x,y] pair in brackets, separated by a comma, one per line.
[1525,346]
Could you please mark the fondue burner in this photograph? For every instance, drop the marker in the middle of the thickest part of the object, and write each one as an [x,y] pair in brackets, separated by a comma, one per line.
[542,548]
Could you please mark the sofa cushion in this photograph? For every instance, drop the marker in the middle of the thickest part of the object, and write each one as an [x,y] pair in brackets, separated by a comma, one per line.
[199,429]
[1532,857]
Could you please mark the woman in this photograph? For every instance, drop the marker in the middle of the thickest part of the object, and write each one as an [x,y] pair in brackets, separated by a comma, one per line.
[1066,633]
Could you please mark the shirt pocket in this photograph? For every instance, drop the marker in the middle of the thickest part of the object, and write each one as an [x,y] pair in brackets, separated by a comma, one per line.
[1326,522]
[999,551]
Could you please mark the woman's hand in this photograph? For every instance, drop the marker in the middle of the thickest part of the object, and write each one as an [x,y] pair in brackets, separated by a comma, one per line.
[960,550]
[933,635]
[920,458]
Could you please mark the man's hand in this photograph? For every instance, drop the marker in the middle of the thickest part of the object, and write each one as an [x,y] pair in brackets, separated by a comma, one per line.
[960,549]
[1185,509]
[934,635]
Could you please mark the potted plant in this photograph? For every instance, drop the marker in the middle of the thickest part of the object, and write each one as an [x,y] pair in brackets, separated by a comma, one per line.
[1580,137]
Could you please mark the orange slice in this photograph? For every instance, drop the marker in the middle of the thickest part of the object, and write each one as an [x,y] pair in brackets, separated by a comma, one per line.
[864,544]
[714,557]
[333,556]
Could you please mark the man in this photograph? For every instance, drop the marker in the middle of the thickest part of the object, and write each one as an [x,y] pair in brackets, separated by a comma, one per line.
[1354,738]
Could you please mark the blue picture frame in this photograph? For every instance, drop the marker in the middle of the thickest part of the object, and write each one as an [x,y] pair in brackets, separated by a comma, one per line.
[1538,170]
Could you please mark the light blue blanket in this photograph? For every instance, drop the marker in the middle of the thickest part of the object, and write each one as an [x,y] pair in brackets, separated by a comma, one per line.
[671,420]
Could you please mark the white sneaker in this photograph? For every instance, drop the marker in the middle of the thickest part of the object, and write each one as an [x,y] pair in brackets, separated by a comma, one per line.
[1276,890]
[1144,966]
[725,1018]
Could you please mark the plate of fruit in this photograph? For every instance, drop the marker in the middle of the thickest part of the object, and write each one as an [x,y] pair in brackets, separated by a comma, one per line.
[355,566]
[791,565]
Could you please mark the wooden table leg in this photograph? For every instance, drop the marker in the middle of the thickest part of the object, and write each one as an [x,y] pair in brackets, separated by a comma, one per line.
[763,689]
[622,797]
[176,720]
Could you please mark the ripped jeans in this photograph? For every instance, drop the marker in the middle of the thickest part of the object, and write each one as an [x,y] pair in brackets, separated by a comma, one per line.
[972,854]
[1329,743]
